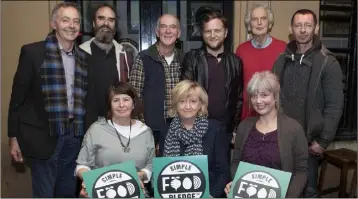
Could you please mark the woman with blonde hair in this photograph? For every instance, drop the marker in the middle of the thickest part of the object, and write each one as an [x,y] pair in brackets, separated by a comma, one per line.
[192,133]
[271,139]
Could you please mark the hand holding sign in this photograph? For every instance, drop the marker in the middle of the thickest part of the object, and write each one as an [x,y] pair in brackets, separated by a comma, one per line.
[115,181]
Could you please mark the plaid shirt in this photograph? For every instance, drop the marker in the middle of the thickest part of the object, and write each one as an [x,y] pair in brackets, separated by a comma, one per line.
[172,77]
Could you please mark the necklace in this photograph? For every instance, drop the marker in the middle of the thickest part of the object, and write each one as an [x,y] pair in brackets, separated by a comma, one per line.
[126,148]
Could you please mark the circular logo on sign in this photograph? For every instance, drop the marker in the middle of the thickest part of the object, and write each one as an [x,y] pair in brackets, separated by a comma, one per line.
[181,179]
[115,184]
[257,184]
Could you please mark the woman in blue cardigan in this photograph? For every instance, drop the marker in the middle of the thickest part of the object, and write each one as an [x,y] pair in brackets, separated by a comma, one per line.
[192,133]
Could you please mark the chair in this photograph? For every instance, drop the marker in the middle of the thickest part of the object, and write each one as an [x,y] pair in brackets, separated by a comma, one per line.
[344,159]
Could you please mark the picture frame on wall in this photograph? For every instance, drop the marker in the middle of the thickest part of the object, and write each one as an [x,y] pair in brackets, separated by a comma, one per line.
[133,19]
[193,29]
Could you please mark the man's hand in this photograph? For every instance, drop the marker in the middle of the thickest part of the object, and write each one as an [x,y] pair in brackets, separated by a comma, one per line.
[83,192]
[15,151]
[316,149]
[227,188]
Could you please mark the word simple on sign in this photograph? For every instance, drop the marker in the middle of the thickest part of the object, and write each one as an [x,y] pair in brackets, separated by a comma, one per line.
[114,181]
[181,178]
[115,184]
[254,181]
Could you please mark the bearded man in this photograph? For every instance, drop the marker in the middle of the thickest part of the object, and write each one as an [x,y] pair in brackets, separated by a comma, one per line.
[218,71]
[108,62]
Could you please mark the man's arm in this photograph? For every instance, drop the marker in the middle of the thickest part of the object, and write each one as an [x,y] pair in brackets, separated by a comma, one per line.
[20,88]
[187,68]
[136,78]
[240,93]
[332,86]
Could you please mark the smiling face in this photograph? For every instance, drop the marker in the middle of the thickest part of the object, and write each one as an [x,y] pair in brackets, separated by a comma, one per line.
[122,106]
[214,34]
[104,25]
[189,106]
[67,24]
[263,102]
[168,30]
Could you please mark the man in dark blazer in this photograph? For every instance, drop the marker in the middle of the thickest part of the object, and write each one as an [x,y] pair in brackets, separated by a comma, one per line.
[45,122]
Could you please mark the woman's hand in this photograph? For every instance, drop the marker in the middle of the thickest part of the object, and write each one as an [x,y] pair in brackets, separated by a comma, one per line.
[83,192]
[227,188]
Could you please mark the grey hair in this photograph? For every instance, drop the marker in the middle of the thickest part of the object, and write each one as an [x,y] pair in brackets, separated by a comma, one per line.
[270,16]
[264,81]
[62,5]
[158,21]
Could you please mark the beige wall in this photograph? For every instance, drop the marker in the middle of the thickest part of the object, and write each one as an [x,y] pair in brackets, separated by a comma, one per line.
[283,11]
[22,22]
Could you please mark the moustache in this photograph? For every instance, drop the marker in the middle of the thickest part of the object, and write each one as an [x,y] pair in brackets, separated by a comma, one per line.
[105,26]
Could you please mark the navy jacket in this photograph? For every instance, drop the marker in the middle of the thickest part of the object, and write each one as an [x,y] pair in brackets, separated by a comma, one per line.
[217,152]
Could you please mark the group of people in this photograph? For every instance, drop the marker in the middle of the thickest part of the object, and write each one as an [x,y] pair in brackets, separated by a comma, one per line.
[75,108]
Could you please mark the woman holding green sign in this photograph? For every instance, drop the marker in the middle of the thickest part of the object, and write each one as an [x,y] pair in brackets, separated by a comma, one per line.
[191,133]
[118,137]
[271,139]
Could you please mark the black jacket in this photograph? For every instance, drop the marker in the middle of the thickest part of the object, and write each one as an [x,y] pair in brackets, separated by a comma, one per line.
[195,67]
[27,118]
[324,103]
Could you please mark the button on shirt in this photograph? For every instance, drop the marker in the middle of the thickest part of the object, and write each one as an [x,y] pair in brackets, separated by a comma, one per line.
[68,59]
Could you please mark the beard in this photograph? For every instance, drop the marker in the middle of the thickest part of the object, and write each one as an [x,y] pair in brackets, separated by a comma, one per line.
[216,46]
[104,36]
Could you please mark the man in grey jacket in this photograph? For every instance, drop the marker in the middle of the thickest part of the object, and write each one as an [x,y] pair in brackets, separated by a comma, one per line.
[311,89]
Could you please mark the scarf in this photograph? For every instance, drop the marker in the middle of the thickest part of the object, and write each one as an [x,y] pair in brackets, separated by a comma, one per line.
[54,89]
[192,139]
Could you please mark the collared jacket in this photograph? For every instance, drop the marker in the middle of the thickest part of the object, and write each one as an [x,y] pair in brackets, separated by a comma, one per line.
[324,103]
[154,79]
[195,67]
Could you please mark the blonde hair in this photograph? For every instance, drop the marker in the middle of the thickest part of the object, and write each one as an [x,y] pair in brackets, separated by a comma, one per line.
[183,90]
[267,81]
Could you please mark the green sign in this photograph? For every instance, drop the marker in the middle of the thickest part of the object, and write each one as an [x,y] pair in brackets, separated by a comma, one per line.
[115,181]
[181,177]
[254,181]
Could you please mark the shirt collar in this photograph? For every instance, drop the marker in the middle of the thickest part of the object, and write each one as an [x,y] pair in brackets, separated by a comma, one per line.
[264,45]
[71,53]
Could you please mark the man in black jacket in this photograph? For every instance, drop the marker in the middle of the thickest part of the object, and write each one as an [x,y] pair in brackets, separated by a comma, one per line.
[46,111]
[218,71]
[311,89]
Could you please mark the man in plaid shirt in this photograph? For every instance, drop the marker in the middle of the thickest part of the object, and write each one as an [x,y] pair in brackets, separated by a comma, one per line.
[155,72]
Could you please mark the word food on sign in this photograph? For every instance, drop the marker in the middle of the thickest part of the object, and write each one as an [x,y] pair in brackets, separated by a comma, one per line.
[115,184]
[181,179]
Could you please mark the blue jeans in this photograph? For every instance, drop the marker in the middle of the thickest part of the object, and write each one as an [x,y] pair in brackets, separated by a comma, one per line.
[55,177]
[311,190]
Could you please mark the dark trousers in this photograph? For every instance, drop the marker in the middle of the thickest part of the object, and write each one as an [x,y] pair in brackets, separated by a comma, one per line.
[311,190]
[55,177]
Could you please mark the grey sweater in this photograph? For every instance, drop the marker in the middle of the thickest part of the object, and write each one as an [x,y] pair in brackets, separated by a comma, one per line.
[101,147]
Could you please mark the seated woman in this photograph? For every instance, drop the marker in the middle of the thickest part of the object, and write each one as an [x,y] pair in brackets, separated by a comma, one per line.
[271,139]
[191,133]
[119,137]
